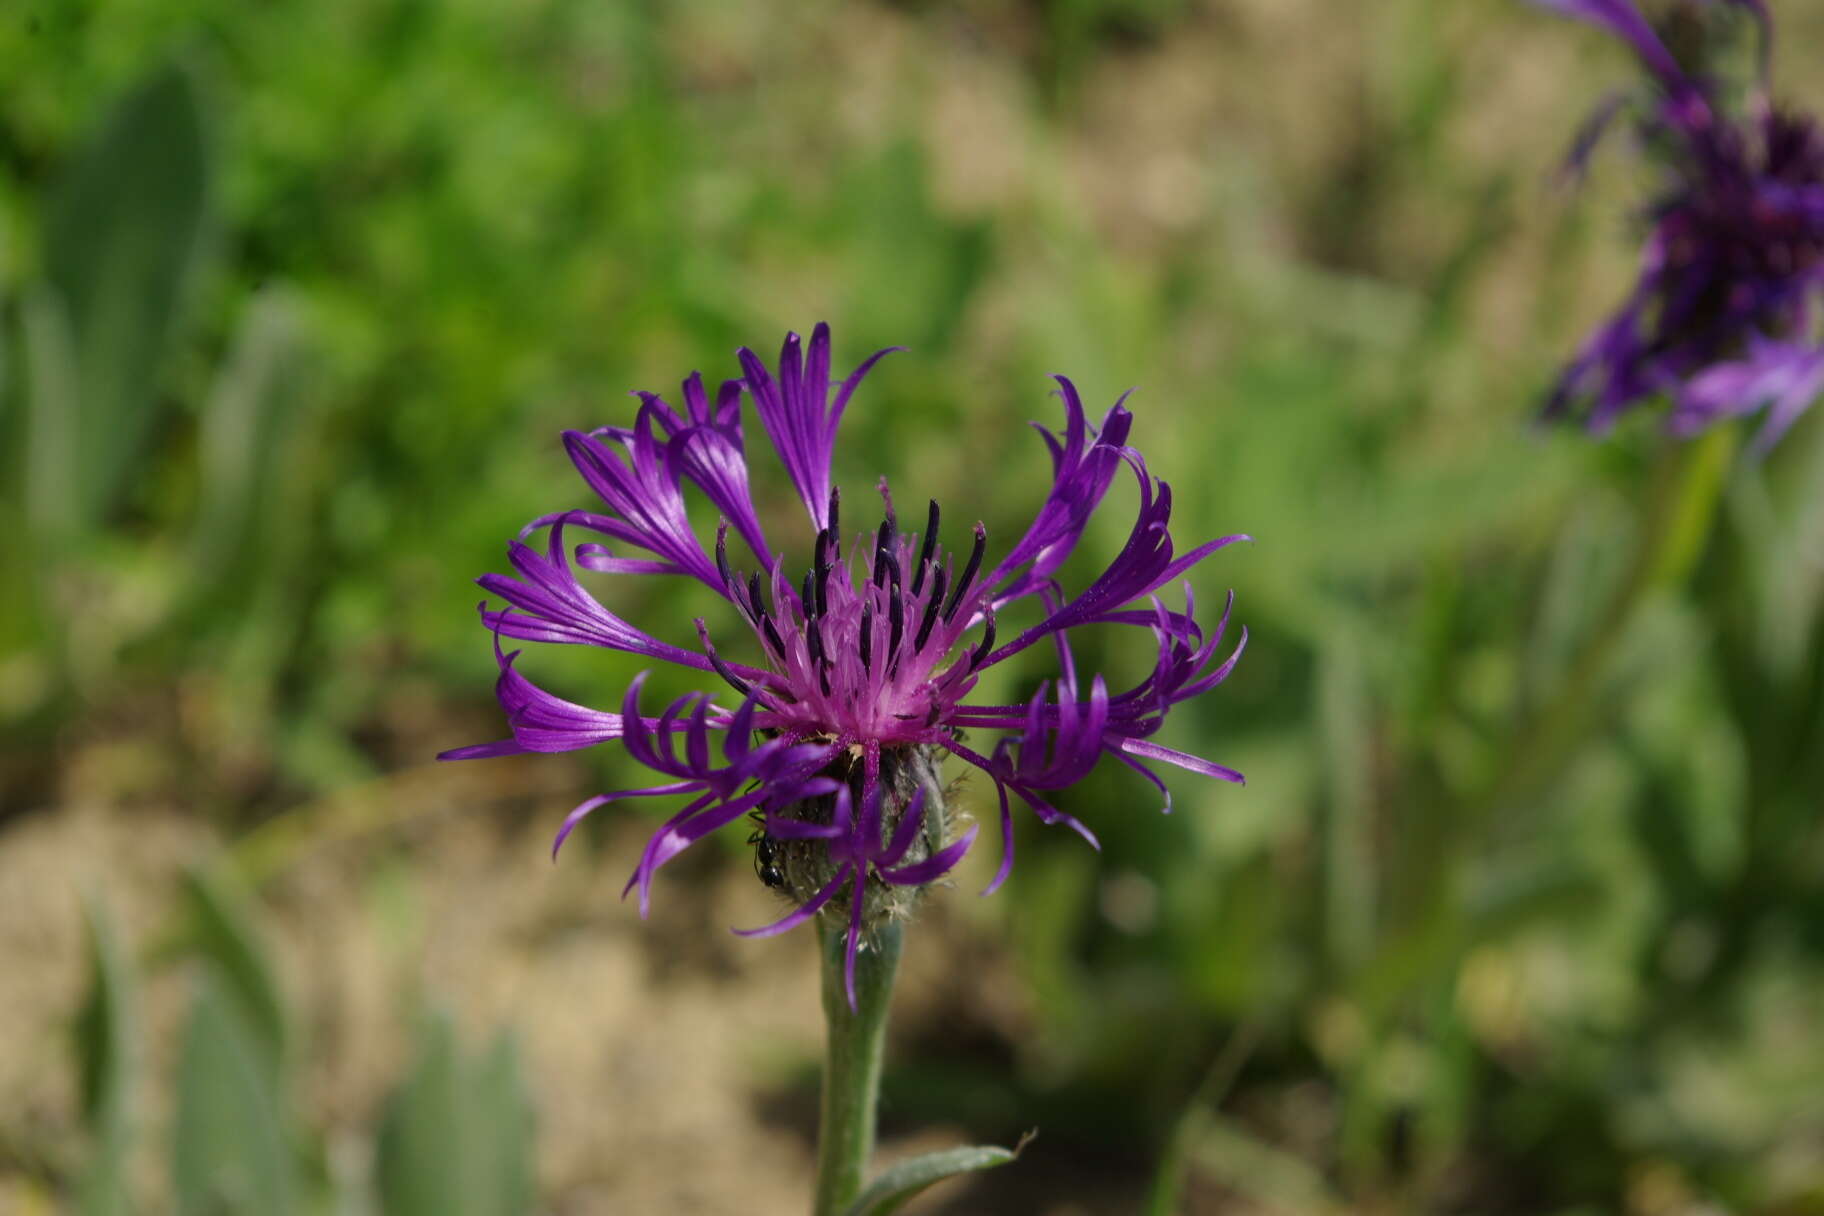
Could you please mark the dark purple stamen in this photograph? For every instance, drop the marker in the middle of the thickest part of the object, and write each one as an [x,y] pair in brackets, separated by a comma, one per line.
[881,540]
[896,628]
[722,669]
[969,572]
[821,563]
[716,661]
[835,512]
[981,652]
[761,617]
[867,636]
[722,566]
[937,595]
[926,549]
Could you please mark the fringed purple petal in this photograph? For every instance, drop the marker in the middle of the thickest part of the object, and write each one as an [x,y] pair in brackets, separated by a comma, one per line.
[1083,465]
[1143,566]
[798,416]
[1051,815]
[797,916]
[1622,19]
[1196,764]
[575,817]
[934,867]
[1006,866]
[685,829]
[1784,377]
[1731,262]
[547,604]
[643,491]
[540,721]
[911,819]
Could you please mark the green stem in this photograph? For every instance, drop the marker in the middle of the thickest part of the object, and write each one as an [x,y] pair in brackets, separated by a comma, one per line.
[1687,483]
[1198,1113]
[851,1070]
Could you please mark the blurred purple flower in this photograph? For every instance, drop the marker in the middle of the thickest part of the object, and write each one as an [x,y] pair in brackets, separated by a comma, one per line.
[866,659]
[1724,316]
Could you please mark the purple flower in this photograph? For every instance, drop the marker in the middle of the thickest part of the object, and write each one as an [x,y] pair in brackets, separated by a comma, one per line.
[861,664]
[1724,316]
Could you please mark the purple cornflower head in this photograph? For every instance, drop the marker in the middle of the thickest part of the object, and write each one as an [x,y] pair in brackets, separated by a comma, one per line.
[834,738]
[1724,317]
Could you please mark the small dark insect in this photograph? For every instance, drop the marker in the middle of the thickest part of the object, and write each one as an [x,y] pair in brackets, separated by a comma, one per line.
[766,858]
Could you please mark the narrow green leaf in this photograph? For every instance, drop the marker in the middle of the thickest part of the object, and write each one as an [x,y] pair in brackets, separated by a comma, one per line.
[53,410]
[421,1138]
[106,1036]
[501,1122]
[456,1140]
[230,1153]
[1347,824]
[891,1191]
[222,923]
[245,425]
[124,237]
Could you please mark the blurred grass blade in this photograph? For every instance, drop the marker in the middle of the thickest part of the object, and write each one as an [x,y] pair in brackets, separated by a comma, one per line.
[53,410]
[222,924]
[124,237]
[504,1146]
[1347,824]
[229,1149]
[106,1036]
[456,1142]
[1276,1179]
[245,425]
[892,1190]
[419,1162]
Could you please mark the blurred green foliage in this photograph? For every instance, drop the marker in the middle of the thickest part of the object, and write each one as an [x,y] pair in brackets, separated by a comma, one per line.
[1523,908]
[455,1140]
